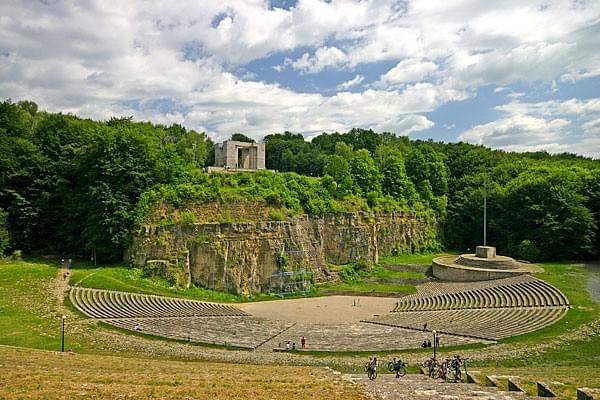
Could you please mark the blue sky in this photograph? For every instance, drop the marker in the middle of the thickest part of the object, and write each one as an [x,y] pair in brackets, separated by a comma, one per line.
[518,76]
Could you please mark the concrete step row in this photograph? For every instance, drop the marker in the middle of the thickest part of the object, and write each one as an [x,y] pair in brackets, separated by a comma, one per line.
[107,304]
[491,324]
[236,331]
[514,293]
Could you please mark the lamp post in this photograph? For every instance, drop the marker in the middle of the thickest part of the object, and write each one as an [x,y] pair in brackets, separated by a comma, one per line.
[62,341]
[434,343]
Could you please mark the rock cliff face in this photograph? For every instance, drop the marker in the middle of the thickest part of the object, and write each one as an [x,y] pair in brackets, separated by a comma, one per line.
[249,257]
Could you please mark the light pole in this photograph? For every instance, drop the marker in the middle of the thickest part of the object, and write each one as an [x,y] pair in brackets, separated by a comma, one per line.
[434,343]
[62,340]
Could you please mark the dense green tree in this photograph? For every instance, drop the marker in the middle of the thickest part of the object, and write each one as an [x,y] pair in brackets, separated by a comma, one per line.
[339,169]
[395,182]
[240,137]
[425,166]
[546,206]
[70,185]
[4,235]
[367,177]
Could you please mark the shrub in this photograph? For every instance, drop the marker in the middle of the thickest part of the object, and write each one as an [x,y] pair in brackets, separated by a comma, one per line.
[276,215]
[187,218]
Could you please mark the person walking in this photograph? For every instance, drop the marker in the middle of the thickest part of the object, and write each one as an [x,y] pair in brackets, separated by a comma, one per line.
[303,342]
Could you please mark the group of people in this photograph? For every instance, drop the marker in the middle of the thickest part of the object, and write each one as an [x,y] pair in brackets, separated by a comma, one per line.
[397,365]
[289,345]
[426,343]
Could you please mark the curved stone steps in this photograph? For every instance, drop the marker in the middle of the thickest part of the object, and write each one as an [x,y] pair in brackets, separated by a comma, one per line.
[486,323]
[512,292]
[106,304]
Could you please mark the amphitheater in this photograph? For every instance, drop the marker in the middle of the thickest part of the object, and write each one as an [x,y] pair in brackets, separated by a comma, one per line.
[462,313]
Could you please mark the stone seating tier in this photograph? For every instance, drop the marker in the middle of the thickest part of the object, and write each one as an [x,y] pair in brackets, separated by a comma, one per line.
[490,324]
[524,291]
[106,304]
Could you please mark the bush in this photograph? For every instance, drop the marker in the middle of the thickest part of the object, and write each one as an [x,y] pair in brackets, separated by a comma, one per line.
[527,250]
[276,215]
[187,218]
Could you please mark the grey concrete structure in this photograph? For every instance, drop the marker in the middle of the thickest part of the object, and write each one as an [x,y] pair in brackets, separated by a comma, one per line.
[481,266]
[485,252]
[240,155]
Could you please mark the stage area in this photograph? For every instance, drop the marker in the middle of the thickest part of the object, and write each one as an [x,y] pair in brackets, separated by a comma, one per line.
[321,310]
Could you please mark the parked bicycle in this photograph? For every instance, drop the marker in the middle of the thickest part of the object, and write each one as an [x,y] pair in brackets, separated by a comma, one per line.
[397,366]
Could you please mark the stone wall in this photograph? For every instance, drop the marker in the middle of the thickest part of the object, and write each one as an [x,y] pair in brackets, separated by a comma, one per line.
[241,257]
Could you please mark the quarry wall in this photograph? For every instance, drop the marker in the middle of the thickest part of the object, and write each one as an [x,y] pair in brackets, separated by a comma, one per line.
[242,257]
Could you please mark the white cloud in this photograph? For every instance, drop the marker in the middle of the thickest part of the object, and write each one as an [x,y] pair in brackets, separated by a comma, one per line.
[408,70]
[568,126]
[324,57]
[357,80]
[98,59]
[516,130]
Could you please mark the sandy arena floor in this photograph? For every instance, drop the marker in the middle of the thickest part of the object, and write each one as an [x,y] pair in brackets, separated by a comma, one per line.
[329,309]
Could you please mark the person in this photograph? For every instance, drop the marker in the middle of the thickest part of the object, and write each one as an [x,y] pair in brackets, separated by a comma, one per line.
[303,342]
[294,346]
[424,344]
[428,343]
[437,341]
[373,364]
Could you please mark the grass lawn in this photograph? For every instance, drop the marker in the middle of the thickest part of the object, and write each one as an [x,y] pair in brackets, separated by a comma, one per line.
[26,317]
[26,373]
[129,279]
[367,288]
[29,317]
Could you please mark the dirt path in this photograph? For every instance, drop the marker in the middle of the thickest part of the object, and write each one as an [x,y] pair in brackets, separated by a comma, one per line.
[59,288]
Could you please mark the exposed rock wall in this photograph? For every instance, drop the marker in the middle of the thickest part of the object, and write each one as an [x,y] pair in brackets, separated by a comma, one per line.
[241,257]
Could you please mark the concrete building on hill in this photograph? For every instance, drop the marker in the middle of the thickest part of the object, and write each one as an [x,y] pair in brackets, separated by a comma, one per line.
[233,155]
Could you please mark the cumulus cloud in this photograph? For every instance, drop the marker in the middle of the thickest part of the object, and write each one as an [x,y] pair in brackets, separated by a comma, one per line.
[324,57]
[408,70]
[174,61]
[357,80]
[556,126]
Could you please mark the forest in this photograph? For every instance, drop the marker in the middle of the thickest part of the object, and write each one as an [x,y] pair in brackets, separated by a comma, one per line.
[75,186]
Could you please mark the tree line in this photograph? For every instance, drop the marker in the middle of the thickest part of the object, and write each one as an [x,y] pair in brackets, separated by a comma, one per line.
[75,185]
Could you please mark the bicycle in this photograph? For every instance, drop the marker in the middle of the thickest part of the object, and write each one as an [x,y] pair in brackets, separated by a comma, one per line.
[399,367]
[455,365]
[430,365]
[442,370]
